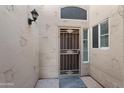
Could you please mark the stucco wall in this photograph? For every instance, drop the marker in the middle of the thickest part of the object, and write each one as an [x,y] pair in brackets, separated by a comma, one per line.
[19,45]
[107,65]
[49,39]
[19,49]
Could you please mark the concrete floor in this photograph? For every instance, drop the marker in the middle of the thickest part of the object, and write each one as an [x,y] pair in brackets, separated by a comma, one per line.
[54,83]
[90,82]
[47,83]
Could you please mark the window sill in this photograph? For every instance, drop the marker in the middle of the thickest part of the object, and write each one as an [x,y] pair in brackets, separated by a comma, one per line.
[104,48]
[85,62]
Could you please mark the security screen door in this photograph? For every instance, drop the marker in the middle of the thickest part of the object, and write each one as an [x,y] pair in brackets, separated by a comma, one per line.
[69,51]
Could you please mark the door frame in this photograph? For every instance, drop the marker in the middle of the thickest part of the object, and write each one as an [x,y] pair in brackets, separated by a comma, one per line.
[77,27]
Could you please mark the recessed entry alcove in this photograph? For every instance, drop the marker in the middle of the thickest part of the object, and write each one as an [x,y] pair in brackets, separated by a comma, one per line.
[61,46]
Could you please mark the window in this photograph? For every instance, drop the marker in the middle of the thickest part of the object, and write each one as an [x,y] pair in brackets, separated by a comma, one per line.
[73,13]
[85,46]
[101,35]
[95,36]
[104,34]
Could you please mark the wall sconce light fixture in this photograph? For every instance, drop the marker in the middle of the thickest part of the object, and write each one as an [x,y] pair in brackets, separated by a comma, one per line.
[34,16]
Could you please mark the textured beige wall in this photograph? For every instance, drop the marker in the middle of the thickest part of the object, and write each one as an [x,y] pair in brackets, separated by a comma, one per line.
[107,65]
[19,45]
[19,49]
[49,39]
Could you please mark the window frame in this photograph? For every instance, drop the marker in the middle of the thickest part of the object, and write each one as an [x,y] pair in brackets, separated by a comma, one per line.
[88,30]
[102,47]
[63,19]
[99,36]
[92,36]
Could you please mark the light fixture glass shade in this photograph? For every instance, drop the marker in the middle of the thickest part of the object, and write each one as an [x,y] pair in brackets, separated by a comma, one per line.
[34,14]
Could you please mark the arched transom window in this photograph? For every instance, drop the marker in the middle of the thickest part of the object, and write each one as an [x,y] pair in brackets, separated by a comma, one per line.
[73,13]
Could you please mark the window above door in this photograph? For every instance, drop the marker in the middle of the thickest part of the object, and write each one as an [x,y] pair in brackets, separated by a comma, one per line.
[72,12]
